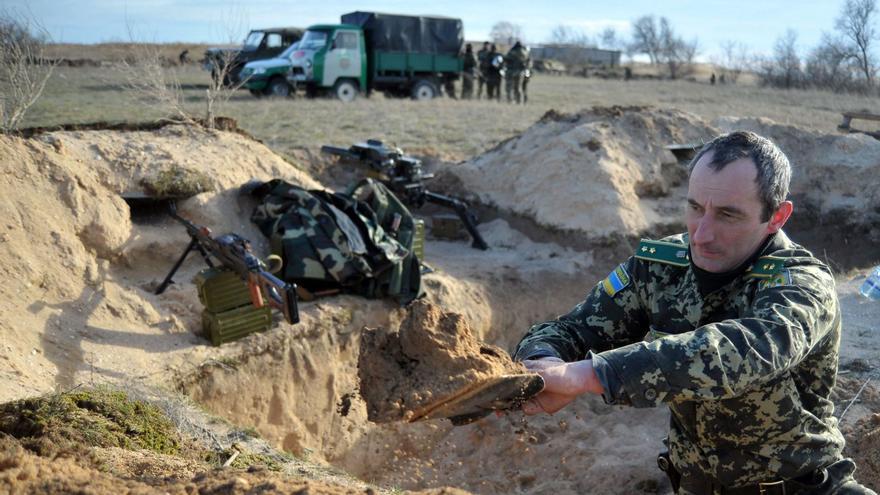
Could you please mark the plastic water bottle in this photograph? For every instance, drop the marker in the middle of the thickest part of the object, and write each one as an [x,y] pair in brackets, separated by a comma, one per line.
[871,287]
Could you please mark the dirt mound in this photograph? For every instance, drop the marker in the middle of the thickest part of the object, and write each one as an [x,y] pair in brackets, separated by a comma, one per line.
[432,357]
[79,262]
[600,171]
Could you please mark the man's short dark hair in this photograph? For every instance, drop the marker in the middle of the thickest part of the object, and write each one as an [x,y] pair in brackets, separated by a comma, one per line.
[774,171]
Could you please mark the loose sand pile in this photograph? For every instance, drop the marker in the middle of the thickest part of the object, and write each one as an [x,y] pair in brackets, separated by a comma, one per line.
[78,272]
[431,358]
[599,171]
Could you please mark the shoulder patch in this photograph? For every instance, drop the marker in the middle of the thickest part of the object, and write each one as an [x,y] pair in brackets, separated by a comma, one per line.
[664,252]
[766,267]
[777,280]
[616,281]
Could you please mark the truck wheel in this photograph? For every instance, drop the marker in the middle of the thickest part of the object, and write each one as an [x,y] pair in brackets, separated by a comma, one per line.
[256,93]
[278,87]
[424,90]
[345,90]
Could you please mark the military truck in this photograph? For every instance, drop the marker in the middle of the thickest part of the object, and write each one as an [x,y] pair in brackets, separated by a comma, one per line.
[259,44]
[396,54]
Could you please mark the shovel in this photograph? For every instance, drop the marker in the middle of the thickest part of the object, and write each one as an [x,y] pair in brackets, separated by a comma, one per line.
[471,403]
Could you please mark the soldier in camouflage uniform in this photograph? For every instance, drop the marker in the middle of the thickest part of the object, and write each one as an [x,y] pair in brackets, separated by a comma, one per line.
[733,326]
[515,62]
[482,68]
[469,71]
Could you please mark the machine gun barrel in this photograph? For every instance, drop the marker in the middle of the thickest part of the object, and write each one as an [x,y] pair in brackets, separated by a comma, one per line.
[467,218]
[234,252]
[343,152]
[403,175]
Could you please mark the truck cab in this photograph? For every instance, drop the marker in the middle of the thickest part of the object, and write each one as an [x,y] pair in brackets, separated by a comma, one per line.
[331,57]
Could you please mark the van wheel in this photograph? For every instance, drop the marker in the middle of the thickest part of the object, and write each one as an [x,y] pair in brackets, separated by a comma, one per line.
[345,90]
[278,87]
[424,90]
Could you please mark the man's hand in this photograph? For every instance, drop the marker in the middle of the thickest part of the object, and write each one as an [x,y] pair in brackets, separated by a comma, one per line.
[563,382]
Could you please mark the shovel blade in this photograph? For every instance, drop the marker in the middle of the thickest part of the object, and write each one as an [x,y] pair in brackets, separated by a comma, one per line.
[495,394]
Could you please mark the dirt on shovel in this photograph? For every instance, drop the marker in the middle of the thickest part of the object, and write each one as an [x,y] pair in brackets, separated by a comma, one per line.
[433,367]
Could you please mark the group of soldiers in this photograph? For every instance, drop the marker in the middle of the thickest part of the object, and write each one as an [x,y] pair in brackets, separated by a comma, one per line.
[489,67]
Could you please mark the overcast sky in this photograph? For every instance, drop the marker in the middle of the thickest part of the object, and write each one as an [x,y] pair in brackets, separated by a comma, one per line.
[756,23]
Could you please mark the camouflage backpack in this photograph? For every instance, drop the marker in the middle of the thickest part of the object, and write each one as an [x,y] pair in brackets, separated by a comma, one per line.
[335,241]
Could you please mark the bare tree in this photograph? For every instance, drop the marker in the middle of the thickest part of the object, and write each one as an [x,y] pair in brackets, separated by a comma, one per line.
[827,66]
[856,24]
[225,80]
[734,60]
[646,38]
[673,51]
[24,67]
[610,40]
[783,69]
[506,33]
[155,84]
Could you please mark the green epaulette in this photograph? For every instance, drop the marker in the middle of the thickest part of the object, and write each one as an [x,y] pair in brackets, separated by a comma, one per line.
[670,253]
[766,267]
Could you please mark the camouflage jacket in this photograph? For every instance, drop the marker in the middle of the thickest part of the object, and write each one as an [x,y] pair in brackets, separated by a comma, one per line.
[483,61]
[469,63]
[516,61]
[746,370]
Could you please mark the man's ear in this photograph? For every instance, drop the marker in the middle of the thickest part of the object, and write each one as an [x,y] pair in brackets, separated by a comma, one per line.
[779,217]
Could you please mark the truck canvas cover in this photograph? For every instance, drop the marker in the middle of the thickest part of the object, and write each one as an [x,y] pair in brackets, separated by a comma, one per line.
[404,33]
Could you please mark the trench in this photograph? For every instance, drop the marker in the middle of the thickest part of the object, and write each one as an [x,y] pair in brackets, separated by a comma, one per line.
[300,390]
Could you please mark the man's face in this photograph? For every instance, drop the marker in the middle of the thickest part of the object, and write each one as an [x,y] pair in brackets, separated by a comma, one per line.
[724,215]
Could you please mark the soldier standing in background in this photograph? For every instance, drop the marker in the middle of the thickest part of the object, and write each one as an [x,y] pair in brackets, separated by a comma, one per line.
[732,325]
[494,74]
[482,68]
[469,71]
[515,64]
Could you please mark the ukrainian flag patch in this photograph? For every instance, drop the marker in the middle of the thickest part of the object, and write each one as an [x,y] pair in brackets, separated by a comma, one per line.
[777,280]
[616,281]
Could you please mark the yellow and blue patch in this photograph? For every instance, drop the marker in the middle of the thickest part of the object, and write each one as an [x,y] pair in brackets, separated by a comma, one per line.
[777,280]
[616,281]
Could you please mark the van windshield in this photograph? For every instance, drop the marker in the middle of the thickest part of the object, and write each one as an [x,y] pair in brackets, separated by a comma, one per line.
[252,42]
[313,40]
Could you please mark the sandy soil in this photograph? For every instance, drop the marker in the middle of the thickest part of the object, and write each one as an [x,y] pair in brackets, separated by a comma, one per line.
[80,264]
[433,357]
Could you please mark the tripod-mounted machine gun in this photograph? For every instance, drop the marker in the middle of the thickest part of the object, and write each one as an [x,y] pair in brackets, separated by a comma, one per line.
[403,175]
[234,252]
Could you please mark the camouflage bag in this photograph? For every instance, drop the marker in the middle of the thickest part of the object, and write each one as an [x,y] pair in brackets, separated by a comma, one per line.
[334,241]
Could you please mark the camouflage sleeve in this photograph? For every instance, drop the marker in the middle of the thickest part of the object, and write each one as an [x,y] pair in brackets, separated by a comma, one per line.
[613,314]
[722,360]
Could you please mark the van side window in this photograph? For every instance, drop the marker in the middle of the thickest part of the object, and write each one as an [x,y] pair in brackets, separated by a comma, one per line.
[273,40]
[346,40]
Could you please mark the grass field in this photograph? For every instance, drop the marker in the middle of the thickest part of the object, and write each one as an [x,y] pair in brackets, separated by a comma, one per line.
[452,130]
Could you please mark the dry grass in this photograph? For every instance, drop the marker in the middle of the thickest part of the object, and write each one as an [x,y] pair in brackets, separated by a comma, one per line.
[449,129]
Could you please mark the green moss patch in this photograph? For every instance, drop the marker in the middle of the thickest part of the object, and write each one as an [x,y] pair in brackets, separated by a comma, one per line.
[177,182]
[88,418]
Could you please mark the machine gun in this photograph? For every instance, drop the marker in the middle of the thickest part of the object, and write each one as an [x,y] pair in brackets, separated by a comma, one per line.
[404,176]
[234,252]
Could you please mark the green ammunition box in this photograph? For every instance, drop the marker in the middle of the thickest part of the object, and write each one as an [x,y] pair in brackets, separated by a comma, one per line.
[418,243]
[235,323]
[221,289]
[447,226]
